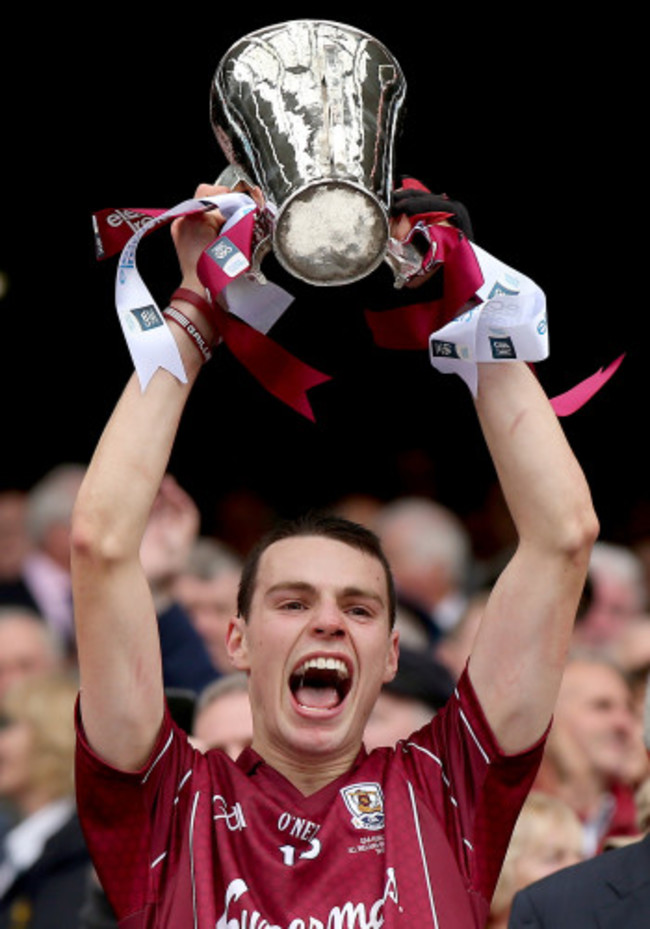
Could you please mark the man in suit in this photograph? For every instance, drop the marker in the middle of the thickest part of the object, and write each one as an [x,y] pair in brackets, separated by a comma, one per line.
[609,891]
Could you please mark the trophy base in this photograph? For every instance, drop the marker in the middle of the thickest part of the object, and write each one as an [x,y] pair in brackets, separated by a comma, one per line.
[331,233]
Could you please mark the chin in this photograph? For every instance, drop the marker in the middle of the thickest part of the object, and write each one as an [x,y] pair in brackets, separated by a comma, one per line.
[323,738]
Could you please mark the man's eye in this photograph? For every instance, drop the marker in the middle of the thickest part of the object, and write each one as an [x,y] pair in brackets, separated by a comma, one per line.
[292,605]
[360,611]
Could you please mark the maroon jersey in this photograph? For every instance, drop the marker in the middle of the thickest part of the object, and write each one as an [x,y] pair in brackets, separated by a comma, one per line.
[411,836]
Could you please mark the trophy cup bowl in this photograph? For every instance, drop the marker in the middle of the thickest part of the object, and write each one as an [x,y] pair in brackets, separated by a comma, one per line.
[308,110]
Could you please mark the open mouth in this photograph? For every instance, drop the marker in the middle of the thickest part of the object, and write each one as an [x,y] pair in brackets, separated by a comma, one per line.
[320,683]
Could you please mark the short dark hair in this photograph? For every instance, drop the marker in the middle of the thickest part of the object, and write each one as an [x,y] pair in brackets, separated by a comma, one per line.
[326,526]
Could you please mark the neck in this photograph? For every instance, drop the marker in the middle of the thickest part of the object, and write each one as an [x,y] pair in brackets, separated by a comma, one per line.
[308,773]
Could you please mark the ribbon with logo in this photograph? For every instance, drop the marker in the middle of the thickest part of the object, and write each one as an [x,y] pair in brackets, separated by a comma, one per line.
[488,311]
[253,307]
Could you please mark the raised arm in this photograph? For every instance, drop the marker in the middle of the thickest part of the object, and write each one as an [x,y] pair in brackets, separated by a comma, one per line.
[116,628]
[520,650]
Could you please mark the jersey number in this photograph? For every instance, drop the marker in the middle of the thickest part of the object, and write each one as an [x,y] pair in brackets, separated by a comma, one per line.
[289,852]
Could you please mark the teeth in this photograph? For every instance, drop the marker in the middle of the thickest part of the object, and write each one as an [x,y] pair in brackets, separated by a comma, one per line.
[324,664]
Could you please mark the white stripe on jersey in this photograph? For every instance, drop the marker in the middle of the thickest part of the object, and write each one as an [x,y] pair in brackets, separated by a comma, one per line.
[437,760]
[156,760]
[485,755]
[192,869]
[425,865]
[157,860]
[181,785]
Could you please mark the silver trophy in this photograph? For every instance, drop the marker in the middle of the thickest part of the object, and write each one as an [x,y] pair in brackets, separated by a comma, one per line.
[307,110]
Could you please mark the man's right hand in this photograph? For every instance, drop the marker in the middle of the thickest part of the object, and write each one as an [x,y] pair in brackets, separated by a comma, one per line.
[192,235]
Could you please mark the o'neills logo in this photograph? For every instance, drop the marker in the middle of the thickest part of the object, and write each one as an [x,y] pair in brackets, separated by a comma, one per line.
[347,916]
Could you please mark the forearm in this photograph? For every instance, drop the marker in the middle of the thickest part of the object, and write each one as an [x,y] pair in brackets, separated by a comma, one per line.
[132,456]
[520,649]
[543,484]
[117,635]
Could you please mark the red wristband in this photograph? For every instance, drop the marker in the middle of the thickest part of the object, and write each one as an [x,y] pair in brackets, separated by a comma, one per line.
[204,307]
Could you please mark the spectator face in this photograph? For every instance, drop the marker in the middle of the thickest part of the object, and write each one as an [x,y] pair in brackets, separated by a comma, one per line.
[615,605]
[595,711]
[37,741]
[226,723]
[24,650]
[548,852]
[211,604]
[394,717]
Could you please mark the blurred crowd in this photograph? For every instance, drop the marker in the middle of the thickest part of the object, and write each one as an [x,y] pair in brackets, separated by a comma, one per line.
[593,788]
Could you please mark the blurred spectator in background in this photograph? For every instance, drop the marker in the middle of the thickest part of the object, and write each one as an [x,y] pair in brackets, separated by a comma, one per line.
[44,861]
[358,507]
[14,545]
[547,837]
[595,757]
[611,890]
[419,689]
[241,517]
[618,597]
[454,647]
[171,532]
[223,717]
[206,587]
[27,646]
[44,578]
[430,555]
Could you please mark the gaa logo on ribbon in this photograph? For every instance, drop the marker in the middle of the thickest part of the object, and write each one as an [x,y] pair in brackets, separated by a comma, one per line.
[229,258]
[502,348]
[147,317]
[440,349]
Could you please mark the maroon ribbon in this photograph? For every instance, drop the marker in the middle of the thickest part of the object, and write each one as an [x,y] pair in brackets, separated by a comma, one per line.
[279,372]
[409,327]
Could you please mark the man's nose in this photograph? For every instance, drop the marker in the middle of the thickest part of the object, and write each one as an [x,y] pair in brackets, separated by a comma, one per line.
[328,620]
[624,719]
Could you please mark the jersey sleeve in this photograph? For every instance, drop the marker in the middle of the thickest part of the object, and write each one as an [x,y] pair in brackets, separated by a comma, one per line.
[116,809]
[471,784]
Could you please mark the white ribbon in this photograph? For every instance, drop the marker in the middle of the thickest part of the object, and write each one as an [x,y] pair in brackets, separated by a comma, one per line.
[148,337]
[508,324]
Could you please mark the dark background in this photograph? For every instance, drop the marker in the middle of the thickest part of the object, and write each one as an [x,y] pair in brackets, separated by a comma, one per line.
[532,121]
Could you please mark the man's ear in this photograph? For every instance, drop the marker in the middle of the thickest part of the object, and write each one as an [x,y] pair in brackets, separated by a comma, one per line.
[237,643]
[392,657]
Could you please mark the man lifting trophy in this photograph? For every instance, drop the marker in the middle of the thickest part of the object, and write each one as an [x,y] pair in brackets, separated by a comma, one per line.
[307,829]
